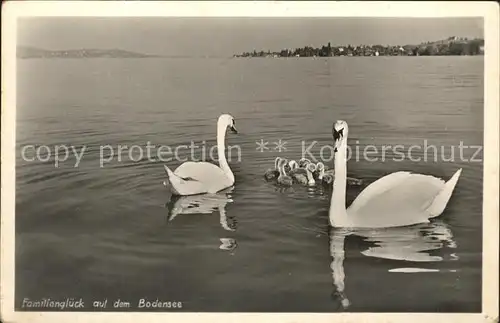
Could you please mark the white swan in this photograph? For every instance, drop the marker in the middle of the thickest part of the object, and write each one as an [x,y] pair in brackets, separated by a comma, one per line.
[273,173]
[398,199]
[310,169]
[193,178]
[302,176]
[283,178]
[293,165]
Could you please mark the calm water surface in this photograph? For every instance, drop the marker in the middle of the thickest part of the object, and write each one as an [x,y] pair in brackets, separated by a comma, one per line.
[115,232]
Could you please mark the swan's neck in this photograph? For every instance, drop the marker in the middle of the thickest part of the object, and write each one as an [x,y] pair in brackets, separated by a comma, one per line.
[221,151]
[338,213]
[321,174]
[310,178]
[283,171]
[276,164]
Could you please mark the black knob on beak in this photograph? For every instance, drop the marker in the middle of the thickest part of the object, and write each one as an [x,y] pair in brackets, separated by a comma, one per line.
[337,134]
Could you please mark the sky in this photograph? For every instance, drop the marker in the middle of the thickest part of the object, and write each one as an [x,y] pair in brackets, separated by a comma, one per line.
[228,36]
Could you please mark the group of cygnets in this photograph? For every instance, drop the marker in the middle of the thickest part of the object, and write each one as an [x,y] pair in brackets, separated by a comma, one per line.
[304,172]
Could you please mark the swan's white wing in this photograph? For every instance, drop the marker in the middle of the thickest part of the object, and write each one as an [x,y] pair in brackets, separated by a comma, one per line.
[196,178]
[398,198]
[201,171]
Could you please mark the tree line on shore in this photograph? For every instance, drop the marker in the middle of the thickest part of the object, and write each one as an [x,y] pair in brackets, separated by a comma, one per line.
[455,46]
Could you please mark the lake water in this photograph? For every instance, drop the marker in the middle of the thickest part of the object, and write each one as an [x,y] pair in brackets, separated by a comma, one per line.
[114,232]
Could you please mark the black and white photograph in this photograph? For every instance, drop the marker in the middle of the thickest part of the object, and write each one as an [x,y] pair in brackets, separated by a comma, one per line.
[250,163]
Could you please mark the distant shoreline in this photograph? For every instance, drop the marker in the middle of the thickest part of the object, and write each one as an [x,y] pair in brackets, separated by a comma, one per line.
[452,46]
[25,52]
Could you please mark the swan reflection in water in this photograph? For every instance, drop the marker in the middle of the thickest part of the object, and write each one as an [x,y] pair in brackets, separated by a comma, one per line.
[206,204]
[412,243]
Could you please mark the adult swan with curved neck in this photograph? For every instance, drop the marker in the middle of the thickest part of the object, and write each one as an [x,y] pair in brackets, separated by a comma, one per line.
[193,178]
[397,199]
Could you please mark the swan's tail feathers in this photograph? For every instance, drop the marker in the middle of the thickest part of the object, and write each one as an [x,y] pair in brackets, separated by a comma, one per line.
[174,180]
[170,174]
[441,200]
[182,185]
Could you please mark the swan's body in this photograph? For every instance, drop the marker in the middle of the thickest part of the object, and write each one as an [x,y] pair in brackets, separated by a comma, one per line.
[292,165]
[320,171]
[193,178]
[298,174]
[398,199]
[303,176]
[283,178]
[310,169]
[273,173]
